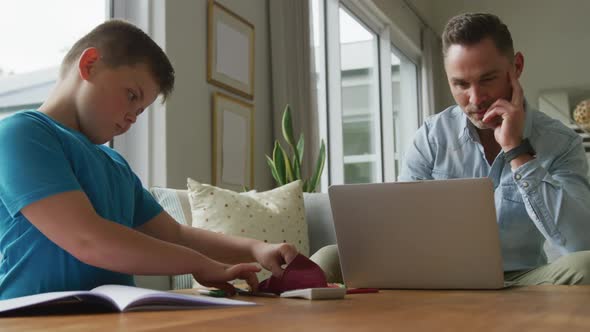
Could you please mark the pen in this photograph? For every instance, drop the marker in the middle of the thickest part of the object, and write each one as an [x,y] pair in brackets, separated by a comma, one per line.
[249,293]
[212,292]
[221,293]
[362,290]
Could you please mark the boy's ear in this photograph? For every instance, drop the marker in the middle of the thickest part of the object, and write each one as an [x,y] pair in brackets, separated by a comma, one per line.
[87,62]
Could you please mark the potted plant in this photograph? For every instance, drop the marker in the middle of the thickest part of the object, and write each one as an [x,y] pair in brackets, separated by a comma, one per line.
[286,167]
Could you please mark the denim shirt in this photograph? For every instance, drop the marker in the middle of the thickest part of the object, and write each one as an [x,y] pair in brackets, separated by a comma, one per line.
[548,198]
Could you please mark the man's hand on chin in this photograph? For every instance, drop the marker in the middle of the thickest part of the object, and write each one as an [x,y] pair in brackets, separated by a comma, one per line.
[507,117]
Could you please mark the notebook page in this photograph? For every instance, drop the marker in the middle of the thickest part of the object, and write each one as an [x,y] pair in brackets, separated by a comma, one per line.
[32,300]
[125,296]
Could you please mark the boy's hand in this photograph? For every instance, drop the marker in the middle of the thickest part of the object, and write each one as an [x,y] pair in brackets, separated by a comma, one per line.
[273,256]
[219,274]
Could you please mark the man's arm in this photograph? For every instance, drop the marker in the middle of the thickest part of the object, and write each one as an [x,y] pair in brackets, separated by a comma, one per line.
[558,200]
[419,158]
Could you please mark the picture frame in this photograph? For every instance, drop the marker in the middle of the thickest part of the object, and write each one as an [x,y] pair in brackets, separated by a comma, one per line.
[230,51]
[233,143]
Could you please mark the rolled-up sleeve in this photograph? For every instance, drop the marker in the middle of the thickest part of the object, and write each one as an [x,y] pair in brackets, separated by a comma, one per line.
[558,199]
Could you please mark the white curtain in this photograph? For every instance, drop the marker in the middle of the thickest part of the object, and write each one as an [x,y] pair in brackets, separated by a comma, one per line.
[436,95]
[430,56]
[291,74]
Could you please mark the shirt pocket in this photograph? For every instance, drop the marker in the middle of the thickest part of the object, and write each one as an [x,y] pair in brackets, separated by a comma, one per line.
[440,175]
[510,193]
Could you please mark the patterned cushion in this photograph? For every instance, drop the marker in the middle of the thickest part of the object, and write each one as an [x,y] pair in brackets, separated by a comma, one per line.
[272,216]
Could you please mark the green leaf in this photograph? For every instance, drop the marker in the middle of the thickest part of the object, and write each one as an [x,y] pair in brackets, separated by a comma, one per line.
[245,188]
[300,147]
[296,169]
[273,170]
[288,126]
[305,186]
[288,170]
[313,182]
[278,156]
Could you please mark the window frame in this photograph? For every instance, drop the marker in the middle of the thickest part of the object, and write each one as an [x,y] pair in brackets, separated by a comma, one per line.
[387,43]
[33,103]
[411,123]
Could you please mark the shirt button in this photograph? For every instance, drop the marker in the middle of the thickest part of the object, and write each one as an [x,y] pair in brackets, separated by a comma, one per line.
[517,176]
[525,184]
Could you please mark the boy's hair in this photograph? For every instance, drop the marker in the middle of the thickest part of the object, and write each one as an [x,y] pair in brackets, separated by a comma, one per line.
[471,28]
[121,43]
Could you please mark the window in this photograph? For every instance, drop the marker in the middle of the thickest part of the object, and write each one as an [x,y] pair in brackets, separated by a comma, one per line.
[367,92]
[318,42]
[359,72]
[35,38]
[404,103]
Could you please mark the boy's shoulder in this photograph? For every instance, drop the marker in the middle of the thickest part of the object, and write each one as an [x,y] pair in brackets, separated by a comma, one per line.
[22,123]
[27,119]
[113,154]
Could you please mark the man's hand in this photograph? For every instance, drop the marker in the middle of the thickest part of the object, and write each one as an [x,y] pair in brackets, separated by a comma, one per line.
[218,274]
[273,256]
[508,132]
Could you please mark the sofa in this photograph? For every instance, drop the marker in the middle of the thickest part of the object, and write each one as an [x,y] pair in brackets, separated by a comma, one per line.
[322,237]
[318,216]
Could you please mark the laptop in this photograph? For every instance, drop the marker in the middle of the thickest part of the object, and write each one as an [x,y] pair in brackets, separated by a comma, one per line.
[437,234]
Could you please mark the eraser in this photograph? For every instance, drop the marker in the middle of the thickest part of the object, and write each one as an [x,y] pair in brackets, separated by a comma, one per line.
[316,293]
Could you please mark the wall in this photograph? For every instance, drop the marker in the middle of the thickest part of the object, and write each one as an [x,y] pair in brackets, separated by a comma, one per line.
[556,105]
[553,36]
[188,111]
[405,22]
[409,18]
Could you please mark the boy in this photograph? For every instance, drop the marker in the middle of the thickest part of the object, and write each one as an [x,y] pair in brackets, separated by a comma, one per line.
[73,215]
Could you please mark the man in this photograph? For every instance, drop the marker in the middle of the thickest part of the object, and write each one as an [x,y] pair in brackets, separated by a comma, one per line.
[537,164]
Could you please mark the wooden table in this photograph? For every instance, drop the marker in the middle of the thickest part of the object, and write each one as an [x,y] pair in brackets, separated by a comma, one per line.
[538,308]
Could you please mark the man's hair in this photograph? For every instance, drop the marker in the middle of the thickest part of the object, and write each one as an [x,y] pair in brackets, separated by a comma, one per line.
[471,28]
[123,44]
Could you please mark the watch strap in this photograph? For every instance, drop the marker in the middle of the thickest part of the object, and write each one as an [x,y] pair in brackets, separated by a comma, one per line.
[524,147]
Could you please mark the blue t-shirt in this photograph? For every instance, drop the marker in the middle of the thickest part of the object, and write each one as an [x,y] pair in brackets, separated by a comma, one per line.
[38,158]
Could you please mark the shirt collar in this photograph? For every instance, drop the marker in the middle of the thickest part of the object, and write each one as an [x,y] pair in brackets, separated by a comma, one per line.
[468,129]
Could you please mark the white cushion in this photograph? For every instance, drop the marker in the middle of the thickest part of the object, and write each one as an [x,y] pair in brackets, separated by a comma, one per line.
[273,216]
[175,202]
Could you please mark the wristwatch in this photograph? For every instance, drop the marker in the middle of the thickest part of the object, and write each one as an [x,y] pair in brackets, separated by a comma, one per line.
[525,147]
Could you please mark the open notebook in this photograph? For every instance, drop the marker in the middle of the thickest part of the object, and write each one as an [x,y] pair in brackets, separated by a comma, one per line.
[109,298]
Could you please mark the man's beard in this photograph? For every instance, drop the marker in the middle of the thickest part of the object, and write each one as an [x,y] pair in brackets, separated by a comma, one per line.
[472,113]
